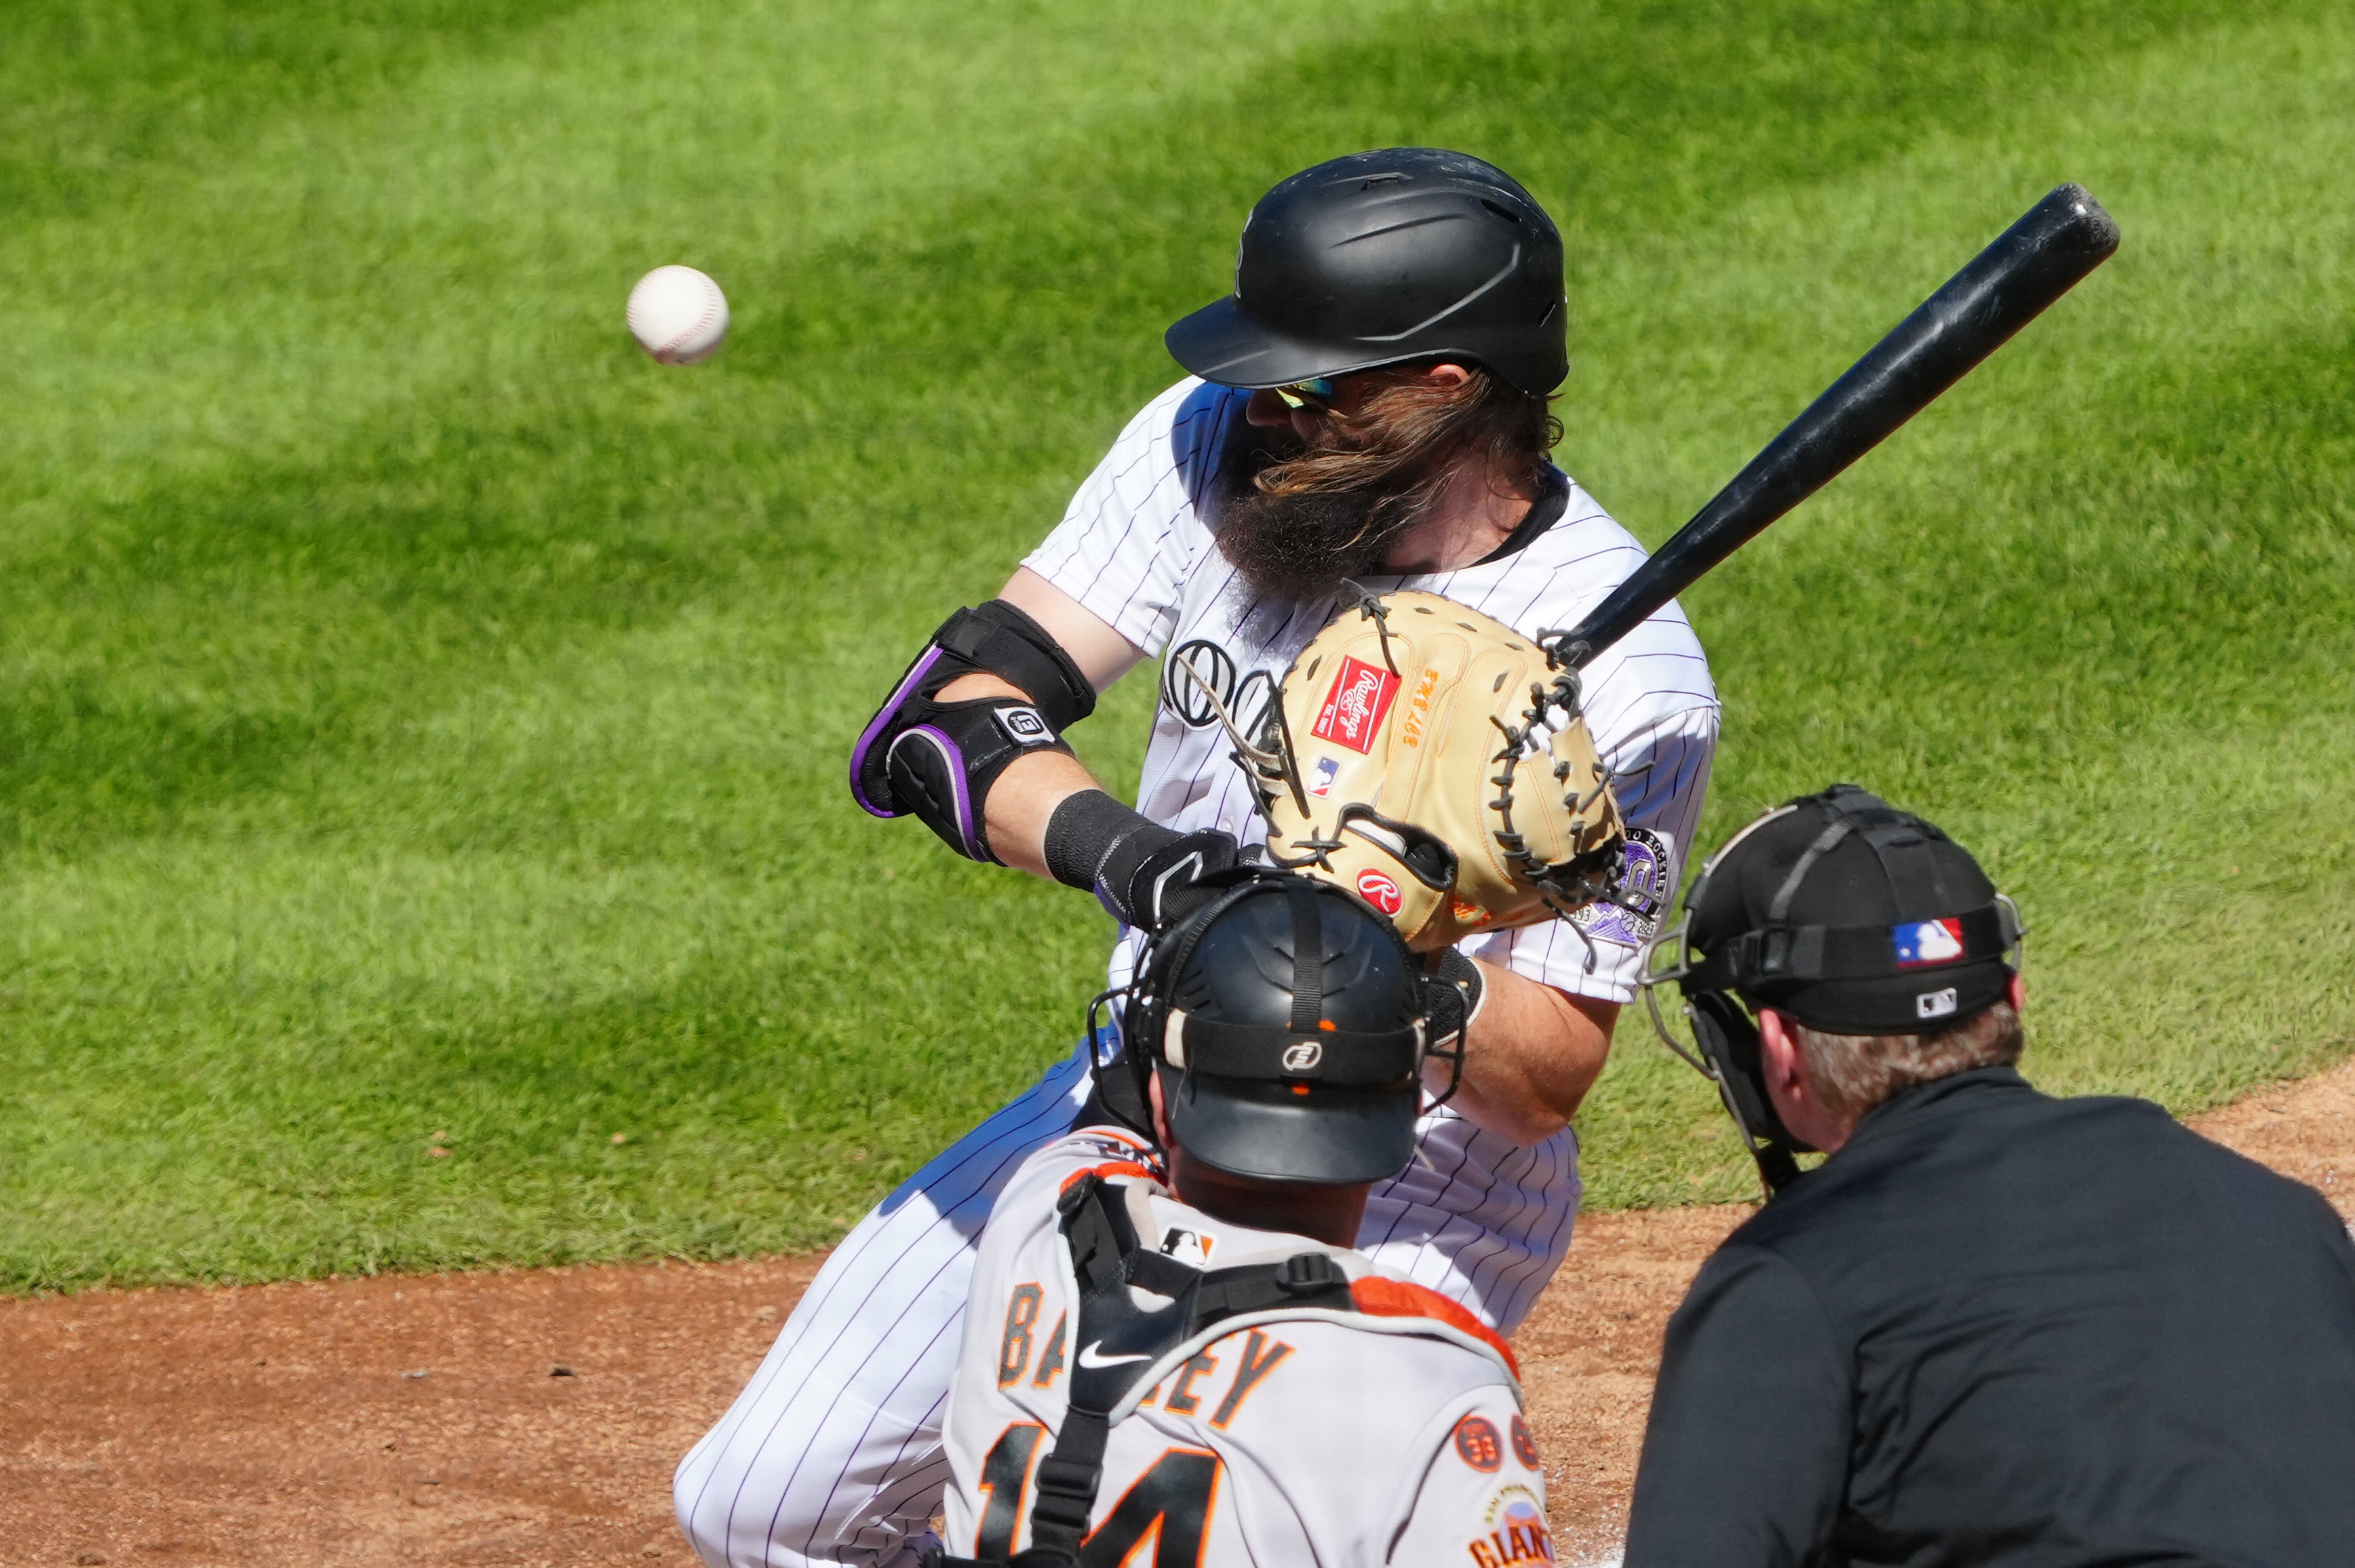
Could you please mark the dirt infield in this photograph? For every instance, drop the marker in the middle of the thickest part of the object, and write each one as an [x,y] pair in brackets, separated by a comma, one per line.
[533,1417]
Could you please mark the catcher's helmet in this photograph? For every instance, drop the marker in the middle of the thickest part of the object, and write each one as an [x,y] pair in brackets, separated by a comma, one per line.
[1285,1020]
[1380,258]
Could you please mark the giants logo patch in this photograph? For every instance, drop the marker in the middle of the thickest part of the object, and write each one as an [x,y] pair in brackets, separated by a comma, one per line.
[1355,707]
[1516,1531]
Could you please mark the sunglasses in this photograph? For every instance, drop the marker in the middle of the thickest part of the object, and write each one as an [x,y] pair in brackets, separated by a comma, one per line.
[1313,393]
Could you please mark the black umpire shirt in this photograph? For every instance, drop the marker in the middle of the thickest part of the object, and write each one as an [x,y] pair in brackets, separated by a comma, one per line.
[1999,1327]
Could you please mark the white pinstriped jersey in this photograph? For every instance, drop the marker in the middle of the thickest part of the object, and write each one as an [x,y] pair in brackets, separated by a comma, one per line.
[1136,547]
[1481,1219]
[1346,1442]
[832,1453]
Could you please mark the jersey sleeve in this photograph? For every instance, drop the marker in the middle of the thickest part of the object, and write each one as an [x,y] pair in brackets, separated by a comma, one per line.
[1749,1352]
[1662,760]
[1134,532]
[1478,1494]
[1113,1152]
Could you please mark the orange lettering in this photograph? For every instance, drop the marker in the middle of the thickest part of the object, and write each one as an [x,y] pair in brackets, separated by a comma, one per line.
[1411,728]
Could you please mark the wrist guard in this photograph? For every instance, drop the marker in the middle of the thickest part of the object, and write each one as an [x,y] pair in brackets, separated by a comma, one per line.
[1139,870]
[937,760]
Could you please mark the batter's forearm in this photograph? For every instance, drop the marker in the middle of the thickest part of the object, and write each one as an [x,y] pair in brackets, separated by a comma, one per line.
[1532,1055]
[1024,799]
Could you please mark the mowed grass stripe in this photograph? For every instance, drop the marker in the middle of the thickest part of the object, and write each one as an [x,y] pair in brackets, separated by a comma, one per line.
[545,667]
[2089,612]
[450,216]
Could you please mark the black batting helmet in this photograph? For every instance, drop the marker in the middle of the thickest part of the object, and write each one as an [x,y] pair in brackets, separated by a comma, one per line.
[1285,1020]
[1380,258]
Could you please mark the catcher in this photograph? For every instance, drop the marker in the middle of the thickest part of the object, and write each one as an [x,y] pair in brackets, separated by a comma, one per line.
[1359,460]
[1079,1425]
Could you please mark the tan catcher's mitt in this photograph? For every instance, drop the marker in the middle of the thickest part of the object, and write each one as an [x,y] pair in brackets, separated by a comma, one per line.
[1435,762]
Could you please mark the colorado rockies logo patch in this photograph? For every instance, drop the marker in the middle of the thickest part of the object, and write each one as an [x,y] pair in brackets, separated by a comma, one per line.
[1199,677]
[1629,915]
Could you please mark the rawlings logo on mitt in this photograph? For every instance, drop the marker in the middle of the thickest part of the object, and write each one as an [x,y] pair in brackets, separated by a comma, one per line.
[1435,762]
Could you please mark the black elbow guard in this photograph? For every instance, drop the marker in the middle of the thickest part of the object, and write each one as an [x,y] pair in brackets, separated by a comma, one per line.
[937,760]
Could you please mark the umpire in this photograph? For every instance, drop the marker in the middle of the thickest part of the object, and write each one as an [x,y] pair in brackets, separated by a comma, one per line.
[1994,1326]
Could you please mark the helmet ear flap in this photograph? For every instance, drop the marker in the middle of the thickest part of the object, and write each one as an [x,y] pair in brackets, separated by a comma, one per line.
[1729,1042]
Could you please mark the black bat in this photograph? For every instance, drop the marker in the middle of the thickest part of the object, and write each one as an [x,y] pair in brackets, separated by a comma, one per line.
[2007,285]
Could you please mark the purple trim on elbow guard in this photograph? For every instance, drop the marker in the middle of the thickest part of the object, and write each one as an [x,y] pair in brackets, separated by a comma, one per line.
[875,728]
[953,756]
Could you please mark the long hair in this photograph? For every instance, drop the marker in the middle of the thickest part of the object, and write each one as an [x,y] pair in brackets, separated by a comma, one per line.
[1408,439]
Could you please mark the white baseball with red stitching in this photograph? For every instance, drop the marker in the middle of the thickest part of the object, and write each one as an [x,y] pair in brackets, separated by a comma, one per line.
[678,314]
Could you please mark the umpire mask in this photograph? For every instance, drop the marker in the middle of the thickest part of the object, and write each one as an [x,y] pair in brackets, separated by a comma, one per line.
[1285,1020]
[1842,911]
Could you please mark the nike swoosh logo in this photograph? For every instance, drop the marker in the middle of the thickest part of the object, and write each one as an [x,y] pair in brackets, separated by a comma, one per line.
[1090,1359]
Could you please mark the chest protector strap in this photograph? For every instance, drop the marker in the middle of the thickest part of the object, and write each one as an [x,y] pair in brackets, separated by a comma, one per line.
[1118,1342]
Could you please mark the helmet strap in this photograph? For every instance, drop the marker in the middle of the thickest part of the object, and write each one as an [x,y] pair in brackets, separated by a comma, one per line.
[1307,959]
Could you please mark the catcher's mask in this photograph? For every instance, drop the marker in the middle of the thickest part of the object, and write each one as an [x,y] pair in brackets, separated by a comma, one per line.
[1285,1020]
[1380,258]
[1843,912]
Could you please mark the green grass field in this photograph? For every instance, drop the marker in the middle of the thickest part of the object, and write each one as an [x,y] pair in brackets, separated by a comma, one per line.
[422,717]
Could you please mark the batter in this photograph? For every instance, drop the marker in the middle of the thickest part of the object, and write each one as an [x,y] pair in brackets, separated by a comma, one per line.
[1368,412]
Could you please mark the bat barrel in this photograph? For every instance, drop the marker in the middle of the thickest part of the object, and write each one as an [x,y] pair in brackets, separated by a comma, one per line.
[2005,287]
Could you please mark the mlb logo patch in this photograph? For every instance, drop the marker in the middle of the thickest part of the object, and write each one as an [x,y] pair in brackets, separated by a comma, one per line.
[1328,770]
[1922,942]
[1188,1246]
[1355,707]
[1936,1004]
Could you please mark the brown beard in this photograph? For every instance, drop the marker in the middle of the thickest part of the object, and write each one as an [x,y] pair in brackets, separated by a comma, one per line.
[1300,547]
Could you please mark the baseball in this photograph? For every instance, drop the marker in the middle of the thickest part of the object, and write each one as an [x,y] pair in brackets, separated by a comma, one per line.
[678,314]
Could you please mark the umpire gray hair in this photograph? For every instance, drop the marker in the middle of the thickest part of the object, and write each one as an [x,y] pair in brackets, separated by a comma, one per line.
[1848,1074]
